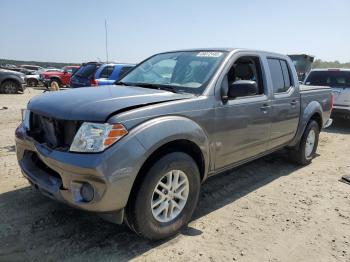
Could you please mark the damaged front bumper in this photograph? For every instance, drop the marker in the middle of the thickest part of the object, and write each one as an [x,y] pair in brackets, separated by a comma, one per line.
[93,182]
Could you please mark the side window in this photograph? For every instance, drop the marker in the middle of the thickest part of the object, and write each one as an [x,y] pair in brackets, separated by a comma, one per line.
[124,70]
[280,75]
[286,75]
[106,72]
[246,68]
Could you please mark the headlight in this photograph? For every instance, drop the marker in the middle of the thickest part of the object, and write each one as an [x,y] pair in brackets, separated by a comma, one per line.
[92,137]
[25,118]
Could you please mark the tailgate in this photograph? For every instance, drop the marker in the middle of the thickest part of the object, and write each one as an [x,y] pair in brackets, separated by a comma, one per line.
[341,96]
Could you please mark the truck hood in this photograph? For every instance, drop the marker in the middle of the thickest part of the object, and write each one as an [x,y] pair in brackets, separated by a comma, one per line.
[98,104]
[56,73]
[12,72]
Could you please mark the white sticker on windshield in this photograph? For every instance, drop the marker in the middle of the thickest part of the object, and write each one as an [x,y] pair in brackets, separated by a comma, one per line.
[209,54]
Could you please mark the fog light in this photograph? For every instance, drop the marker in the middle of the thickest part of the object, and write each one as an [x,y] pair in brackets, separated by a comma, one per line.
[87,192]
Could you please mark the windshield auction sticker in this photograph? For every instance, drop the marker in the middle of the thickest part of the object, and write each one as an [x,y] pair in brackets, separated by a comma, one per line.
[209,54]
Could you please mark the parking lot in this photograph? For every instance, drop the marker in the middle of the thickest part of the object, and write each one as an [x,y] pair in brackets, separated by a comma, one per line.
[268,210]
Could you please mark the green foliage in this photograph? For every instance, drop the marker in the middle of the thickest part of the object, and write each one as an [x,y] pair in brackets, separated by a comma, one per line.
[318,63]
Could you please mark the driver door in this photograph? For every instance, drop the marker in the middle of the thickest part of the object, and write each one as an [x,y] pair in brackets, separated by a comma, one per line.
[243,123]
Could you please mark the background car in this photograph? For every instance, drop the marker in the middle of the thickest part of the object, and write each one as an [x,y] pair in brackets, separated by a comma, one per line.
[32,67]
[58,78]
[339,80]
[107,74]
[11,82]
[96,74]
[33,79]
[85,76]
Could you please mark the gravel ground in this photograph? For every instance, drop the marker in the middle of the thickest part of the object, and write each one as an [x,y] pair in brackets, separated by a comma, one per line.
[268,210]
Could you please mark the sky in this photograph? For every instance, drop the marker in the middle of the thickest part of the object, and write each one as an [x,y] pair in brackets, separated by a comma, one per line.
[74,30]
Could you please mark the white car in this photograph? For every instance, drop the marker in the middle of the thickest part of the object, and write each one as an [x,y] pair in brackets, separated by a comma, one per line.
[339,80]
[34,79]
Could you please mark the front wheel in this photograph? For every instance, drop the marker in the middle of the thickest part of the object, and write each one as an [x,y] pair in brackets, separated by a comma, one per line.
[306,150]
[166,198]
[9,87]
[54,85]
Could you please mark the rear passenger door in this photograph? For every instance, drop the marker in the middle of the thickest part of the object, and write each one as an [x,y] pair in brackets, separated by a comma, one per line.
[285,103]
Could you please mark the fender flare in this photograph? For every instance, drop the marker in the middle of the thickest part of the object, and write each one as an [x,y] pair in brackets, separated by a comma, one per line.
[160,131]
[12,78]
[310,110]
[55,77]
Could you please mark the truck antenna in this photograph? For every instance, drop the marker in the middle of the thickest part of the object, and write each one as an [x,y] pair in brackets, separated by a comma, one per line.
[106,40]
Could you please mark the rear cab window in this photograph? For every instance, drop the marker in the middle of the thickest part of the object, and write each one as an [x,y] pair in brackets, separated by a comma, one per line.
[280,75]
[332,78]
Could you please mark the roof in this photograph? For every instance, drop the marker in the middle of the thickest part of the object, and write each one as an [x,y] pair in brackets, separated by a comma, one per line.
[115,63]
[226,49]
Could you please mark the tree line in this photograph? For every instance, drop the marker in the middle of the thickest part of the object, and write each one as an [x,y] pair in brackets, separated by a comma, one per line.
[318,63]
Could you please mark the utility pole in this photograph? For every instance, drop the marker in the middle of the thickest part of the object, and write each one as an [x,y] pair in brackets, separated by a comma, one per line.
[106,32]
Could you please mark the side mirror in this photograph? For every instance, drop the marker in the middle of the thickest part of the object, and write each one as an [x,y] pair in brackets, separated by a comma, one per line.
[242,88]
[65,72]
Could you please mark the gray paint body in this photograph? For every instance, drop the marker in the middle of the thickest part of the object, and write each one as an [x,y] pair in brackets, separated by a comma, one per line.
[227,133]
[13,76]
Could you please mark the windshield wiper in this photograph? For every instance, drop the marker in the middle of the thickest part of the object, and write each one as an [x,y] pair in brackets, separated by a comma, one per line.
[157,86]
[121,83]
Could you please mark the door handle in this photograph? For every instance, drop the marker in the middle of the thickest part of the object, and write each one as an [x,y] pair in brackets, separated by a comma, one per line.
[294,102]
[264,107]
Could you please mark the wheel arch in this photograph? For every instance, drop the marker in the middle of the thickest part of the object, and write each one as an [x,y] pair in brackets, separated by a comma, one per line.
[318,118]
[56,78]
[174,134]
[313,111]
[14,79]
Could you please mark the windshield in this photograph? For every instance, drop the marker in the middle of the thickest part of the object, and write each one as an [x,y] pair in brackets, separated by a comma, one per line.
[187,71]
[329,78]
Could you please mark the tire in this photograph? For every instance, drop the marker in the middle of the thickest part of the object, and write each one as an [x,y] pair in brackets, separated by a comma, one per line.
[9,87]
[55,85]
[304,153]
[32,82]
[141,217]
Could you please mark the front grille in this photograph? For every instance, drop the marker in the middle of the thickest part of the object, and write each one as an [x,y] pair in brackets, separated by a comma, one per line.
[36,162]
[55,133]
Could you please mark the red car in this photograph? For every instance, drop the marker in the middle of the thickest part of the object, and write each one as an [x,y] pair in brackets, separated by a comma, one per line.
[59,78]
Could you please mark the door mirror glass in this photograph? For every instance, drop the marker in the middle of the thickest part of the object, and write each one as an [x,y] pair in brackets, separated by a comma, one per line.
[242,88]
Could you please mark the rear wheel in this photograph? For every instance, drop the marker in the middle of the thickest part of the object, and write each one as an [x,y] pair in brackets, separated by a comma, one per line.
[9,87]
[166,198]
[306,150]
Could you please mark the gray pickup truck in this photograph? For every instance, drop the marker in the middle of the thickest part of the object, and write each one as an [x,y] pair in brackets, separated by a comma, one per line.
[11,82]
[138,151]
